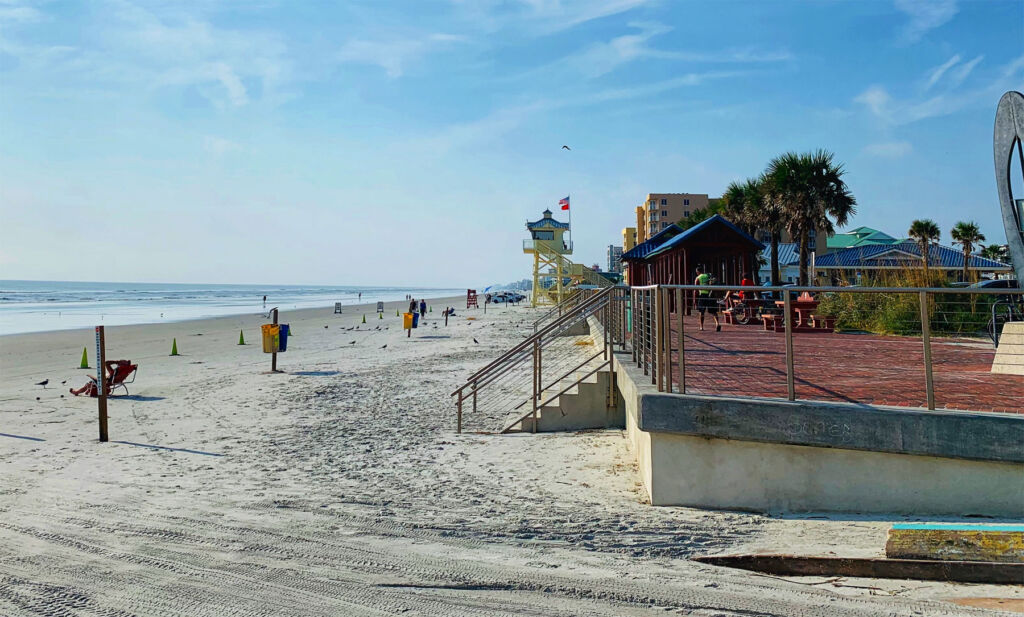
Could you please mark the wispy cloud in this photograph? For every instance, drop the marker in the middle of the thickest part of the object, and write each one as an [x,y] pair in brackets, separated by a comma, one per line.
[602,58]
[556,15]
[135,49]
[19,11]
[892,149]
[394,53]
[925,15]
[936,74]
[950,99]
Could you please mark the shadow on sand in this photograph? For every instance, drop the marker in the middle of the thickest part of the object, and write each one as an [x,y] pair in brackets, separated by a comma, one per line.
[186,450]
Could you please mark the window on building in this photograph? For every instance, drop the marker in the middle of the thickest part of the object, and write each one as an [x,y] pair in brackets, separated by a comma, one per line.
[686,214]
[544,235]
[664,202]
[652,202]
[686,202]
[664,212]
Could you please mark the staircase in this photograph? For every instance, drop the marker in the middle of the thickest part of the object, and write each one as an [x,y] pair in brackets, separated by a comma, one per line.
[559,378]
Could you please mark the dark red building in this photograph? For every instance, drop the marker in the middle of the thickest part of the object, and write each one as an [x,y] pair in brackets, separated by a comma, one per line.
[671,256]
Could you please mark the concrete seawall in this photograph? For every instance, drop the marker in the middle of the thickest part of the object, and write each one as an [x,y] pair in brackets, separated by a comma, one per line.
[779,456]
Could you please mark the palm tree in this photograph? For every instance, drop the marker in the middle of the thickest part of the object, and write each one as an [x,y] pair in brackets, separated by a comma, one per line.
[746,206]
[812,195]
[994,252]
[967,235]
[924,232]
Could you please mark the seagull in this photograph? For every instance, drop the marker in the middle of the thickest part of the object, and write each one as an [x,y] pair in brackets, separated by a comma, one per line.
[43,383]
[566,148]
[476,341]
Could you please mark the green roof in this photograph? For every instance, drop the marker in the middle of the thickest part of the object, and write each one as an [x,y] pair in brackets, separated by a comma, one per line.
[861,236]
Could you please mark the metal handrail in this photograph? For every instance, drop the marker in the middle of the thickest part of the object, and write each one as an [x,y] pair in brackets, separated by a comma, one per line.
[652,327]
[529,340]
[818,289]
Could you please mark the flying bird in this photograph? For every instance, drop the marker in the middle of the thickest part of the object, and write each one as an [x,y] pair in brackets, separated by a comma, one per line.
[566,148]
[43,383]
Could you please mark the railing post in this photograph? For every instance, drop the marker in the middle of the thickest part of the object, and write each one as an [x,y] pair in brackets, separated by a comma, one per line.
[458,407]
[682,343]
[536,382]
[474,397]
[926,339]
[666,337]
[788,319]
[656,335]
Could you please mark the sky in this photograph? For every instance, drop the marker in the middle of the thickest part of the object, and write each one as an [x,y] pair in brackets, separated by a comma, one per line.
[408,142]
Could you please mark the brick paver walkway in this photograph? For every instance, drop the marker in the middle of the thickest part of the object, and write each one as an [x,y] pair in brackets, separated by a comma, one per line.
[854,368]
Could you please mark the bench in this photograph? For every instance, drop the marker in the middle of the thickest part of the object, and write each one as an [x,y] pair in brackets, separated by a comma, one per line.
[772,323]
[825,322]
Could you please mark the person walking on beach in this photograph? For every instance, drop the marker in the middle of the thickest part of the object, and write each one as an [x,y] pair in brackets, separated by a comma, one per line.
[412,305]
[360,296]
[705,302]
[423,309]
[264,301]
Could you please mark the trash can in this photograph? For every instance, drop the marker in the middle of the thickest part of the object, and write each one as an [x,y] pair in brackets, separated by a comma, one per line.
[283,346]
[415,320]
[407,321]
[271,337]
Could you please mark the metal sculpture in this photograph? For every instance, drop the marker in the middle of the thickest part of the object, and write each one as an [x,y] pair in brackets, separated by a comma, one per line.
[1009,134]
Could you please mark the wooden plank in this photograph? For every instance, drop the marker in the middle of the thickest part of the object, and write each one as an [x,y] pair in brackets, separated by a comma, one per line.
[916,569]
[956,542]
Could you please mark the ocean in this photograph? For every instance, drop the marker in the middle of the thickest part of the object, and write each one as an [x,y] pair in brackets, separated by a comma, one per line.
[39,306]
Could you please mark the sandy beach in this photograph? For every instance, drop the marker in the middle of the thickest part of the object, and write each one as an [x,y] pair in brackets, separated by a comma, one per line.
[339,487]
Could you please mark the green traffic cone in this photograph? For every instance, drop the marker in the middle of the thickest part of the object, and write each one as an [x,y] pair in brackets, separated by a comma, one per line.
[430,309]
[85,359]
[396,313]
[364,318]
[380,315]
[241,338]
[174,347]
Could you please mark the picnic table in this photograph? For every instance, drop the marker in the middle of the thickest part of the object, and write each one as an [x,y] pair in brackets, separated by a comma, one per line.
[802,308]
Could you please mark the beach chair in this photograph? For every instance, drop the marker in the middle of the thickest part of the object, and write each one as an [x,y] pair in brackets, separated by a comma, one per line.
[120,378]
[337,307]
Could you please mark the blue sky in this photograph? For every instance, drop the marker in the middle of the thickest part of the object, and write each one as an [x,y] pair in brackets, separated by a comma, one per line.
[407,143]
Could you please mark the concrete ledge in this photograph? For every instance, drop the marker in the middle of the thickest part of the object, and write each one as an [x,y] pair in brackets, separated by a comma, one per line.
[965,435]
[790,459]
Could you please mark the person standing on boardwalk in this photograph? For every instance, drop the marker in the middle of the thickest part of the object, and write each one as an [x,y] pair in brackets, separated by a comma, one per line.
[423,309]
[705,302]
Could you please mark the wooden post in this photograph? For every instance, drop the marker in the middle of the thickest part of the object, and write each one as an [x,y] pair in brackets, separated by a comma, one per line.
[273,356]
[101,381]
[790,383]
[458,405]
[446,317]
[926,339]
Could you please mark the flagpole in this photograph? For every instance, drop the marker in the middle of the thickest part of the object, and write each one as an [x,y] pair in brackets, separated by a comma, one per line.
[570,221]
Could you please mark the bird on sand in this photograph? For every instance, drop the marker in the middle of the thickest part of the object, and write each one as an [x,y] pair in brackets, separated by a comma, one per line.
[476,341]
[43,383]
[566,148]
[351,342]
[63,382]
[384,346]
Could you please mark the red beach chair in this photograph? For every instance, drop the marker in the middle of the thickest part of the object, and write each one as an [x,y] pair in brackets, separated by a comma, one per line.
[120,377]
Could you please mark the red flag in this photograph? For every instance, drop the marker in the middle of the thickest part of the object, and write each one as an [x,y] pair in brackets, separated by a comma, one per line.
[564,203]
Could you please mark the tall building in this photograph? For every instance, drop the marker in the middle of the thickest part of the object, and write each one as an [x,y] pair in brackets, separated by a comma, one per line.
[660,210]
[614,258]
[628,238]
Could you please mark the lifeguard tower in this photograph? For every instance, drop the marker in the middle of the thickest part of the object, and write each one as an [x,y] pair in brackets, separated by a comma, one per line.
[550,267]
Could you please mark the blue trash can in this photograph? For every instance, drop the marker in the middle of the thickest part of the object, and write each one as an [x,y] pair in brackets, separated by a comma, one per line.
[284,338]
[415,320]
